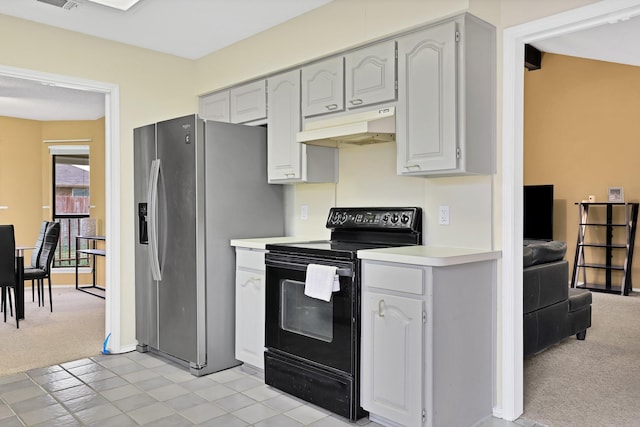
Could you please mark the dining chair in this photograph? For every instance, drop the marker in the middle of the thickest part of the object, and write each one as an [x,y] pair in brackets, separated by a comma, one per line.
[35,257]
[8,268]
[49,245]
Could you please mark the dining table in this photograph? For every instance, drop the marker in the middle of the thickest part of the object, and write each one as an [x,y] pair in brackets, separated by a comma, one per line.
[19,294]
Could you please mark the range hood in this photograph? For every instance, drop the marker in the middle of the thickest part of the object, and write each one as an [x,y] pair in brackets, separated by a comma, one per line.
[367,127]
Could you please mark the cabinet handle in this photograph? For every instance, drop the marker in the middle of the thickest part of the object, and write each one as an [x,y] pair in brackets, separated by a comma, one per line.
[380,308]
[331,107]
[412,167]
[356,101]
[290,174]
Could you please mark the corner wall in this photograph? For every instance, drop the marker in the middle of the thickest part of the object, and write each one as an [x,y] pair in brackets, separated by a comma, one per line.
[581,134]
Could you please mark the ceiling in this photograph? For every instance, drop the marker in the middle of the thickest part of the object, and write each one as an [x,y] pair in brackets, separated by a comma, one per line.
[612,42]
[186,28]
[194,28]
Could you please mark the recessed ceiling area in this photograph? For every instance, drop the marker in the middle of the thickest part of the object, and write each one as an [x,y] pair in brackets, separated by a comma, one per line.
[186,28]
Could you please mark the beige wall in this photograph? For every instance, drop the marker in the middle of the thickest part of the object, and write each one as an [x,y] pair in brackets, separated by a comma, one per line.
[581,134]
[21,177]
[23,154]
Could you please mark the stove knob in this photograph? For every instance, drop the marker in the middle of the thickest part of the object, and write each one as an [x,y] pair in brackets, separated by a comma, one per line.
[394,218]
[343,218]
[405,218]
[385,218]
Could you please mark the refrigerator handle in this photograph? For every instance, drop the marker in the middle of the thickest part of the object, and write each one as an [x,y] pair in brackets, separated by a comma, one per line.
[152,197]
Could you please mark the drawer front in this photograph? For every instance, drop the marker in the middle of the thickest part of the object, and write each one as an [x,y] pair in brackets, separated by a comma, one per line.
[393,277]
[248,258]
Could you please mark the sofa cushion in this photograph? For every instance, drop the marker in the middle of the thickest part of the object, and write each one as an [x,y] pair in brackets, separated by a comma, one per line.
[544,284]
[545,327]
[540,252]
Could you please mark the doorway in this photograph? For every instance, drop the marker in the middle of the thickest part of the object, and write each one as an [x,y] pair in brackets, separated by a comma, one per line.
[112,185]
[512,177]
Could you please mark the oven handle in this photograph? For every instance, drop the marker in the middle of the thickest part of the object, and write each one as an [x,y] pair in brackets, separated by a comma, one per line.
[342,272]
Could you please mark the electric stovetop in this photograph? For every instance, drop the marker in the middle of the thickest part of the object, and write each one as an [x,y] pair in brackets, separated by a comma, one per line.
[355,229]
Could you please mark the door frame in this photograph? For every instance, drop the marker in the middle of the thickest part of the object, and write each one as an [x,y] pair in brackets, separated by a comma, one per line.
[112,185]
[514,39]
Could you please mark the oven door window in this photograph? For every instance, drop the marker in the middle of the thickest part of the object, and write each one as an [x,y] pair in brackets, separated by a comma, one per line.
[302,315]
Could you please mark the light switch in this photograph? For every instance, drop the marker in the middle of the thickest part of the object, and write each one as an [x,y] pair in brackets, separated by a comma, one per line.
[304,212]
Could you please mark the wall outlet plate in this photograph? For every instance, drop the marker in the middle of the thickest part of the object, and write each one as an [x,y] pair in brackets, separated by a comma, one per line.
[443,215]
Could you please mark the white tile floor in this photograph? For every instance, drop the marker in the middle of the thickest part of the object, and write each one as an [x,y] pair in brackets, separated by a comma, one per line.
[141,389]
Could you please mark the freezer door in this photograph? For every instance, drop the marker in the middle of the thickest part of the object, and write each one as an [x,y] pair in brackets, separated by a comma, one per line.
[178,142]
[144,152]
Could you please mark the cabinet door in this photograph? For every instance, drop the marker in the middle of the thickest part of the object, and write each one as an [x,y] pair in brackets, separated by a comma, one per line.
[426,128]
[323,87]
[284,152]
[248,102]
[215,106]
[392,359]
[371,75]
[250,300]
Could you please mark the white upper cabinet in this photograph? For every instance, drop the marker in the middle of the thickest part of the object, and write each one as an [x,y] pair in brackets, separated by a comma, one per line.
[215,106]
[445,117]
[371,75]
[289,161]
[241,104]
[248,103]
[323,87]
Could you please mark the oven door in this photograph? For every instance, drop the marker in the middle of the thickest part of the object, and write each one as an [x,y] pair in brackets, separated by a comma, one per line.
[305,327]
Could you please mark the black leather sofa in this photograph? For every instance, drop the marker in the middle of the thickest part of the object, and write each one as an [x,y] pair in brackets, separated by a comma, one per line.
[552,311]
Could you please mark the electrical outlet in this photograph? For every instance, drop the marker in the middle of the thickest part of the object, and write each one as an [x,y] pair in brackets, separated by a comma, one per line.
[443,215]
[304,212]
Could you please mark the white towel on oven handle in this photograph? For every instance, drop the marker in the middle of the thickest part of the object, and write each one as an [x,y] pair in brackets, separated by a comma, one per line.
[321,281]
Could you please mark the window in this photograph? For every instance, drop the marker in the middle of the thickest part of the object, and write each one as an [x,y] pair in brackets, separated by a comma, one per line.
[71,185]
[71,190]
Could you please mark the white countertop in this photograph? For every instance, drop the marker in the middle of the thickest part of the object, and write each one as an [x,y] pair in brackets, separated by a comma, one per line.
[429,255]
[261,242]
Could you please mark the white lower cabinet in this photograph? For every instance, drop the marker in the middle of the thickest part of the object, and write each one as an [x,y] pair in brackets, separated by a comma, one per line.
[427,343]
[250,301]
[392,357]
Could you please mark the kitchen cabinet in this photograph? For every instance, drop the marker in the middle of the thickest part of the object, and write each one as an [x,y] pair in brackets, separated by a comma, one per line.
[215,106]
[392,357]
[371,75]
[244,104]
[248,103]
[445,117]
[427,335]
[250,302]
[289,161]
[323,87]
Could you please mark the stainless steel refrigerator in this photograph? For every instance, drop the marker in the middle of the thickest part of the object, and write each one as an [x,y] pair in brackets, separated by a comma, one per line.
[198,184]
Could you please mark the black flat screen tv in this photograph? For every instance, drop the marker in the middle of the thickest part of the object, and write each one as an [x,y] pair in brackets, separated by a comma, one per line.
[538,212]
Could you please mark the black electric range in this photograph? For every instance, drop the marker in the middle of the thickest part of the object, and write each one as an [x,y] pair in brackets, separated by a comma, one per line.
[312,345]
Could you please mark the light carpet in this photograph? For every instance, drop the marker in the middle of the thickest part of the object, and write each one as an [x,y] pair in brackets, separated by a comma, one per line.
[595,382]
[75,330]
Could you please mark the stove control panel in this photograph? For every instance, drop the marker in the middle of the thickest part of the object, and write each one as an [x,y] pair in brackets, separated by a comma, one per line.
[375,218]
